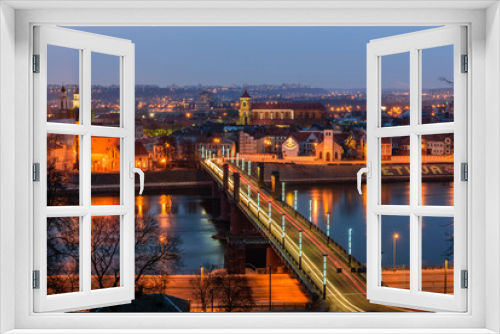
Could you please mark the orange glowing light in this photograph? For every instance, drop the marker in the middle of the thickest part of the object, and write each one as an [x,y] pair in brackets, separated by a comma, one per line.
[396,236]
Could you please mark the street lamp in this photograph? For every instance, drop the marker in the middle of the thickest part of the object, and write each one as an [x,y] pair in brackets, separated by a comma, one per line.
[258,204]
[310,210]
[283,191]
[243,164]
[295,195]
[249,168]
[283,229]
[270,305]
[269,215]
[238,159]
[300,249]
[394,244]
[350,245]
[328,228]
[162,242]
[248,194]
[324,275]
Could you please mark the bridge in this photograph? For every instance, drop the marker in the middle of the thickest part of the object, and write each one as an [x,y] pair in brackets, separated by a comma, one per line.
[321,264]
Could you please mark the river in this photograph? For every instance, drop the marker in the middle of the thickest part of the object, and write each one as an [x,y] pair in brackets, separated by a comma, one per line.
[189,214]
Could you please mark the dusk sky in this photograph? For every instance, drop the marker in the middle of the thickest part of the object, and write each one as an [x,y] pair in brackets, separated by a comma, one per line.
[327,57]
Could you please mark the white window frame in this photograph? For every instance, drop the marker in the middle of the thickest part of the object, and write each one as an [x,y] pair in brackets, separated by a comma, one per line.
[483,98]
[85,44]
[413,44]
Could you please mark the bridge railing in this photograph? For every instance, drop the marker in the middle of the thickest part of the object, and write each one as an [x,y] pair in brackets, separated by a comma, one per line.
[356,265]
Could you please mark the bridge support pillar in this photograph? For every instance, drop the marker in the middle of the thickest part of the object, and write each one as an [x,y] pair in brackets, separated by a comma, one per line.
[224,205]
[260,174]
[276,185]
[215,190]
[235,258]
[272,259]
[225,176]
[236,187]
[237,220]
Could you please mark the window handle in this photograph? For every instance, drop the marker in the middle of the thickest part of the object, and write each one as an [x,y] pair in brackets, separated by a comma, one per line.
[141,175]
[368,171]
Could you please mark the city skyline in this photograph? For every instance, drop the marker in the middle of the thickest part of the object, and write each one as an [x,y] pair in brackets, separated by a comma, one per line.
[255,55]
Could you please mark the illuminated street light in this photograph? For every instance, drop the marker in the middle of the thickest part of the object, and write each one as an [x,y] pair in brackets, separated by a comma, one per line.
[394,248]
[310,210]
[258,204]
[223,151]
[270,217]
[270,304]
[283,229]
[249,168]
[283,191]
[238,159]
[300,249]
[350,245]
[203,152]
[248,194]
[243,164]
[295,199]
[328,228]
[324,275]
[162,243]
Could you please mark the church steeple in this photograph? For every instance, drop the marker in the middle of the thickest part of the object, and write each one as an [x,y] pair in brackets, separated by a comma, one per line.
[245,112]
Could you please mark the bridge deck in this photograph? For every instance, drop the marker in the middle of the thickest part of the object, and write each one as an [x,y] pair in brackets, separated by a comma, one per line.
[345,290]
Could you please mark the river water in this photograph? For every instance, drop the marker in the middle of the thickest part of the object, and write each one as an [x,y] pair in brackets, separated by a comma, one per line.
[190,215]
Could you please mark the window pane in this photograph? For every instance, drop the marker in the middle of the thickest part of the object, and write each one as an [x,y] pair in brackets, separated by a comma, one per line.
[395,170]
[105,89]
[63,83]
[63,255]
[395,101]
[105,252]
[437,254]
[105,166]
[437,85]
[395,247]
[63,170]
[437,169]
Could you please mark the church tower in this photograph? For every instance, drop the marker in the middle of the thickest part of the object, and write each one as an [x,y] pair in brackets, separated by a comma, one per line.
[245,112]
[63,100]
[76,97]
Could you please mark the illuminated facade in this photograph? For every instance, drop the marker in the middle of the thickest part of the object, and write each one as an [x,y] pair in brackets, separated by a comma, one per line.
[280,113]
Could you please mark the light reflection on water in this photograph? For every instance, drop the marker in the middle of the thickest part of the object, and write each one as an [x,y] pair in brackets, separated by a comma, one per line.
[186,215]
[348,210]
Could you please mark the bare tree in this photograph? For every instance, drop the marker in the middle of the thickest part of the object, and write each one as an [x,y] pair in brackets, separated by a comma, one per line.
[154,253]
[63,245]
[203,289]
[105,251]
[233,291]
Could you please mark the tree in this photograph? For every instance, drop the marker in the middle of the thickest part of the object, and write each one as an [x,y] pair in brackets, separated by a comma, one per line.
[154,253]
[233,292]
[63,245]
[105,251]
[203,289]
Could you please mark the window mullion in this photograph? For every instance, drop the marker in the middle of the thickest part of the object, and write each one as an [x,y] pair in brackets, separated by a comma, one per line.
[415,156]
[86,118]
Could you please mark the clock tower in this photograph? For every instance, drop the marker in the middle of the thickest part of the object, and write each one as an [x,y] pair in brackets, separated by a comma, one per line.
[245,112]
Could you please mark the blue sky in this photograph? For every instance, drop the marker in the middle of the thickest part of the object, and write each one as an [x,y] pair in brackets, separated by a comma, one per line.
[328,57]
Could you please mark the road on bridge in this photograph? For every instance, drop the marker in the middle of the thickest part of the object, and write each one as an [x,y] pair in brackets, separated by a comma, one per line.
[345,291]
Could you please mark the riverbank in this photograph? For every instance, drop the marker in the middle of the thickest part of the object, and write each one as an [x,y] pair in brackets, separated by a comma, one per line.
[291,173]
[313,174]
